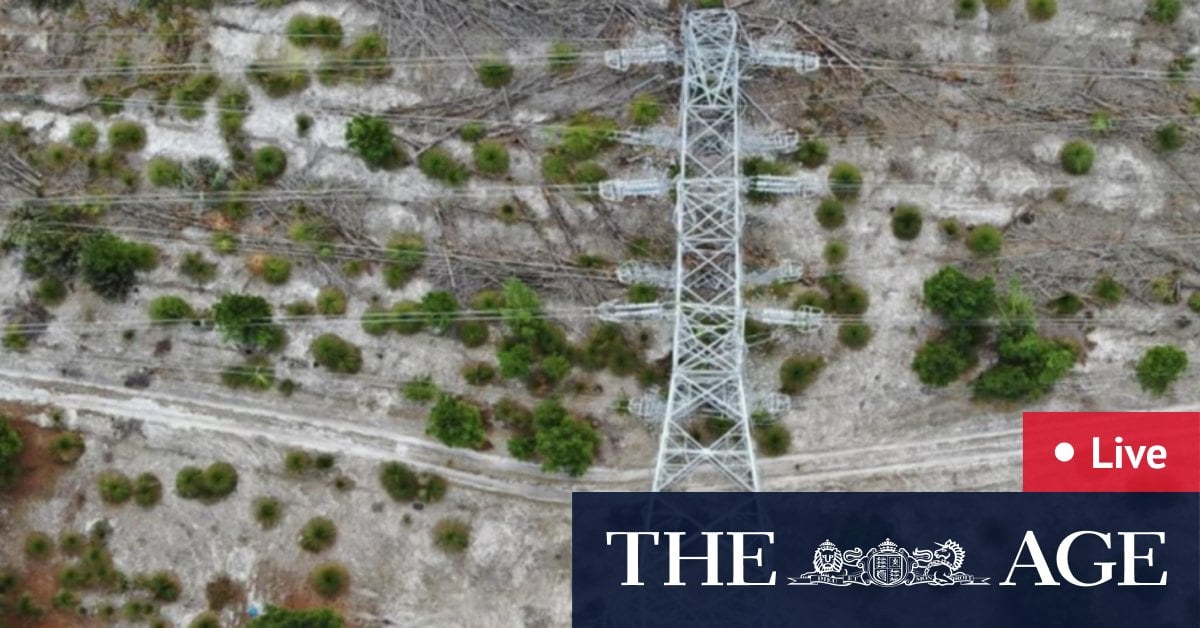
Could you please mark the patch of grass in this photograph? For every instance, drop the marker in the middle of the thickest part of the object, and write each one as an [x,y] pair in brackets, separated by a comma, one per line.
[1041,10]
[170,309]
[472,333]
[420,390]
[365,59]
[831,213]
[452,535]
[438,164]
[194,266]
[845,180]
[406,255]
[372,139]
[256,374]
[1076,157]
[51,291]
[318,535]
[276,270]
[269,163]
[1165,11]
[854,335]
[209,485]
[906,222]
[996,6]
[478,373]
[279,78]
[336,354]
[224,243]
[1066,305]
[304,123]
[1108,290]
[985,240]
[756,167]
[314,31]
[562,57]
[644,110]
[472,132]
[162,172]
[190,96]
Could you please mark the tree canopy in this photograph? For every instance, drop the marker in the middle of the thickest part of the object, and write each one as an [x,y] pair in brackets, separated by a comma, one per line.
[246,320]
[456,422]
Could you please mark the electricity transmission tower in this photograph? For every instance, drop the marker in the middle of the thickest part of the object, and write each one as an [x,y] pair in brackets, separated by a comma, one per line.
[707,280]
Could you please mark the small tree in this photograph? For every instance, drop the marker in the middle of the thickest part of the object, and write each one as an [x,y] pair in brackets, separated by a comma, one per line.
[906,222]
[565,443]
[1076,157]
[372,139]
[246,320]
[109,264]
[1160,367]
[456,423]
[491,157]
[336,354]
[494,73]
[798,373]
[939,363]
[318,535]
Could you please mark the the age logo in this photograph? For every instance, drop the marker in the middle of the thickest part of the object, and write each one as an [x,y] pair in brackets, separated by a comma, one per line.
[1112,451]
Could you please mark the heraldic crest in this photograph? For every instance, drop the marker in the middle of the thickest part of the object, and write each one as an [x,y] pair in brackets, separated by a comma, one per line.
[888,565]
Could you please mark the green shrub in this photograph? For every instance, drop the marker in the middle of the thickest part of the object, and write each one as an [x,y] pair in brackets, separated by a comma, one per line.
[456,423]
[996,6]
[336,354]
[269,163]
[644,110]
[399,481]
[710,4]
[297,462]
[1194,302]
[84,135]
[812,153]
[1066,305]
[835,252]
[371,138]
[170,310]
[1165,11]
[38,546]
[209,619]
[58,157]
[109,264]
[959,298]
[452,535]
[478,373]
[233,105]
[256,374]
[845,180]
[421,389]
[65,448]
[1041,10]
[588,173]
[245,320]
[278,78]
[642,293]
[406,317]
[494,73]
[276,270]
[1169,137]
[267,512]
[562,58]
[831,213]
[318,535]
[985,240]
[845,297]
[190,96]
[1160,367]
[163,586]
[438,164]
[126,136]
[491,157]
[472,131]
[1108,290]
[147,490]
[331,301]
[304,123]
[1164,288]
[798,373]
[406,255]
[773,439]
[810,298]
[162,172]
[195,267]
[940,362]
[115,487]
[51,291]
[854,335]
[472,333]
[224,243]
[440,309]
[329,580]
[282,618]
[966,9]
[906,222]
[209,485]
[1076,157]
[319,31]
[755,167]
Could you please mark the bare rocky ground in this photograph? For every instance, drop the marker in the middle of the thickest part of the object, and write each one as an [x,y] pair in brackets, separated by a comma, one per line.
[977,143]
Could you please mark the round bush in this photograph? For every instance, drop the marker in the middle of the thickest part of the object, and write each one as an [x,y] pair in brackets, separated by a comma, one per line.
[319,31]
[966,9]
[1160,367]
[845,180]
[220,479]
[437,163]
[331,301]
[1041,10]
[38,546]
[269,163]
[472,132]
[329,580]
[400,481]
[372,139]
[1076,157]
[267,511]
[1165,11]
[452,535]
[491,157]
[170,310]
[276,270]
[798,373]
[318,535]
[473,333]
[147,490]
[1168,138]
[1108,290]
[67,447]
[854,335]
[835,252]
[906,222]
[115,487]
[336,354]
[812,153]
[84,135]
[831,213]
[126,136]
[985,240]
[164,173]
[51,291]
[494,74]
[773,439]
[297,462]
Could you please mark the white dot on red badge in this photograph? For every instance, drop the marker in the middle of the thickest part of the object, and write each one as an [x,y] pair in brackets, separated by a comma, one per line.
[1064,452]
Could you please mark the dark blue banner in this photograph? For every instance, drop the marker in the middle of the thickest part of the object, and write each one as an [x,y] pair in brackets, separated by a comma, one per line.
[886,560]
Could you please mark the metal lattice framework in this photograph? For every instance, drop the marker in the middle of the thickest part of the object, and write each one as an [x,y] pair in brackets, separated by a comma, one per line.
[707,376]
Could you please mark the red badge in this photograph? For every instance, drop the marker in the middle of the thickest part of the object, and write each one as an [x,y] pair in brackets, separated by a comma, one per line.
[1118,452]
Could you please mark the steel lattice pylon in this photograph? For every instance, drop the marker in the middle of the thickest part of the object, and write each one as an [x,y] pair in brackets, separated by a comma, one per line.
[707,378]
[706,375]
